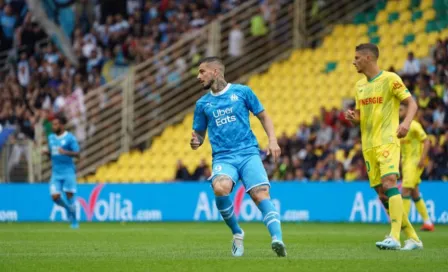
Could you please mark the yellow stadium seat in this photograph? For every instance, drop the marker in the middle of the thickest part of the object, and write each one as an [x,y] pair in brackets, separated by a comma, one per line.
[392,6]
[425,4]
[429,14]
[405,16]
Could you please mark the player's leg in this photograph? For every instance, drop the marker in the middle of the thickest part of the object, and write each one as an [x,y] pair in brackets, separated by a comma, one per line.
[257,185]
[223,180]
[55,192]
[407,186]
[389,157]
[420,205]
[69,188]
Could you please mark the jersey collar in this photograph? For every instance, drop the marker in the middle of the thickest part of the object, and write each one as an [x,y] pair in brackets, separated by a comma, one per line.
[62,135]
[221,92]
[375,77]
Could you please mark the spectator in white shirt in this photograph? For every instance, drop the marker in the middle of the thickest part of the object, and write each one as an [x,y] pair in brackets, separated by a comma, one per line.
[236,41]
[411,66]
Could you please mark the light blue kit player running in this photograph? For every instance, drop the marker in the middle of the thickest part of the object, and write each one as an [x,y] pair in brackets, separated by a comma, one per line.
[236,156]
[63,147]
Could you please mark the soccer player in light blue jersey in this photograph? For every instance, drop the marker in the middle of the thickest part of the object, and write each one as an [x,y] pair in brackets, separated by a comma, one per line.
[224,111]
[63,147]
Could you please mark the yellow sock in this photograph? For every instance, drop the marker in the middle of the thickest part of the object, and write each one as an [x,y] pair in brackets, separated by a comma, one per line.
[408,229]
[406,204]
[421,208]
[395,211]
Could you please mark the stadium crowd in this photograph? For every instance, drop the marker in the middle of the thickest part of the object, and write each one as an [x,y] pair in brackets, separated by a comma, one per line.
[43,82]
[329,149]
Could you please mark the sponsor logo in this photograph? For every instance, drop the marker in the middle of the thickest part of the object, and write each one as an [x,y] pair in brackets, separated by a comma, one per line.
[8,215]
[111,208]
[224,116]
[371,100]
[218,168]
[396,85]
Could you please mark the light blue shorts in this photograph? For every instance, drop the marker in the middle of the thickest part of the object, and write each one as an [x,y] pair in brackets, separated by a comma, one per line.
[249,169]
[59,184]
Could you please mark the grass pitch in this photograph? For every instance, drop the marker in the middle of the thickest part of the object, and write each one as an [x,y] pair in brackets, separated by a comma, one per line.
[206,247]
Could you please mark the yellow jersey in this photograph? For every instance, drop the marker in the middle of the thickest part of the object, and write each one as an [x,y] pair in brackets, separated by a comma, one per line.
[378,101]
[412,144]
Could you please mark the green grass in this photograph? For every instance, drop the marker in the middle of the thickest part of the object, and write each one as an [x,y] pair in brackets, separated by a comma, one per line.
[206,247]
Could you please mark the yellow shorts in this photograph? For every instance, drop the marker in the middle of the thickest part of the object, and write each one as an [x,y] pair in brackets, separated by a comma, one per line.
[381,161]
[411,174]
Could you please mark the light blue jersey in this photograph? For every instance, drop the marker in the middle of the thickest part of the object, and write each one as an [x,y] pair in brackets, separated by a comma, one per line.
[235,149]
[62,164]
[226,116]
[63,175]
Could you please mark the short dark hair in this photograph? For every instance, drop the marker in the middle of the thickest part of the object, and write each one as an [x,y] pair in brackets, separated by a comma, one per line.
[372,48]
[211,59]
[214,60]
[61,118]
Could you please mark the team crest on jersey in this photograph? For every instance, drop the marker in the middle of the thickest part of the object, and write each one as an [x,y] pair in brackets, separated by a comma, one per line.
[234,97]
[386,154]
[63,142]
[396,85]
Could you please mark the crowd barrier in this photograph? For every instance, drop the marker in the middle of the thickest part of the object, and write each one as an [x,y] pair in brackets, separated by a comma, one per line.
[299,202]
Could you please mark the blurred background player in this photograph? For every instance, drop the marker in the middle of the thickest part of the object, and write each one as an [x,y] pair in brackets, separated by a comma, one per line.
[224,111]
[378,98]
[414,149]
[63,147]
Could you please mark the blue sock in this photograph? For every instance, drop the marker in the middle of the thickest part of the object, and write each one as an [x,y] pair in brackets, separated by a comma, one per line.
[271,218]
[61,203]
[225,207]
[71,209]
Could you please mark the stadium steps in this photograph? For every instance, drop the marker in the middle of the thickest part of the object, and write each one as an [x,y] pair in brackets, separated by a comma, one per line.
[293,91]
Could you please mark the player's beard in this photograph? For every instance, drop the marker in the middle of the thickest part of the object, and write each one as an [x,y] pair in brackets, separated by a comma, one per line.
[209,85]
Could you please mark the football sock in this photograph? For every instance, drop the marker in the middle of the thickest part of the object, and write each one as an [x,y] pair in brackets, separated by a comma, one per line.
[421,208]
[59,201]
[407,228]
[271,218]
[72,208]
[225,207]
[406,204]
[395,211]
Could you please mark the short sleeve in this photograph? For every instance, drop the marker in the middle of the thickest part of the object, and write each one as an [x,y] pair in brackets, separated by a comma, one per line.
[74,146]
[252,101]
[398,88]
[356,99]
[199,119]
[420,132]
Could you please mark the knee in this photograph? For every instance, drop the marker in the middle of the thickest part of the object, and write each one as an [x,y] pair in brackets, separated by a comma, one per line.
[222,185]
[259,193]
[69,195]
[55,197]
[389,182]
[406,192]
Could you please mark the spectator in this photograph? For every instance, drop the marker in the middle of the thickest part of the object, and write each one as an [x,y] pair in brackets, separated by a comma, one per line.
[299,175]
[182,173]
[201,172]
[411,66]
[236,41]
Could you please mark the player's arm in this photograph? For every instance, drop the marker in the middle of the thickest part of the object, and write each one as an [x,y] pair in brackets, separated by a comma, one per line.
[73,149]
[197,139]
[199,127]
[268,126]
[403,128]
[426,147]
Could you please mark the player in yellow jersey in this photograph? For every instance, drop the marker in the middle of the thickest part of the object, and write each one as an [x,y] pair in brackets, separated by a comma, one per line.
[414,150]
[378,98]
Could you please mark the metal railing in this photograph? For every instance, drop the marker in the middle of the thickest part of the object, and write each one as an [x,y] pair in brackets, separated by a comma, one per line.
[16,161]
[131,110]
